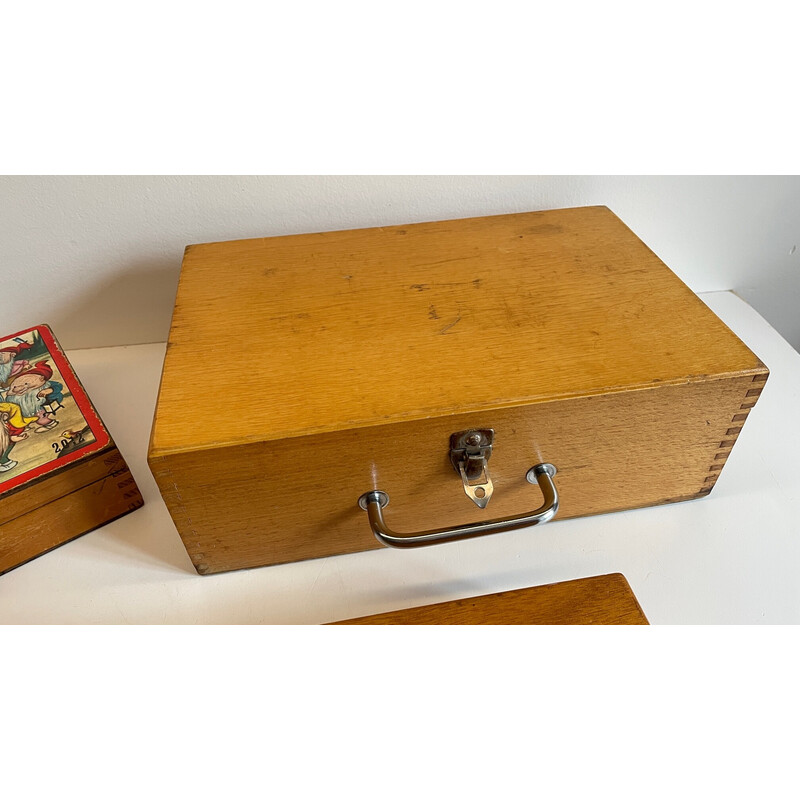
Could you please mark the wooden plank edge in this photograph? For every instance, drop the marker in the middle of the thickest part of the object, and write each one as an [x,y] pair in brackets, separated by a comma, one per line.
[513,595]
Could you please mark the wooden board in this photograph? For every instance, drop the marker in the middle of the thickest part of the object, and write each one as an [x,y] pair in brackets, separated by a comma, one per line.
[564,334]
[601,600]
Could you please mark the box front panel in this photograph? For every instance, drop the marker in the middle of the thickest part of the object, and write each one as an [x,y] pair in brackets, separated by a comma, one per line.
[277,502]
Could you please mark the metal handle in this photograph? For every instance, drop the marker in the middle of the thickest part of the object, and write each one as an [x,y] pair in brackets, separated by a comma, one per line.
[374,503]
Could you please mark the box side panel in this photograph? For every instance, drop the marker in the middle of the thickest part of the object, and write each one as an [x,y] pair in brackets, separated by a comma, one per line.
[753,390]
[59,483]
[198,468]
[67,517]
[276,502]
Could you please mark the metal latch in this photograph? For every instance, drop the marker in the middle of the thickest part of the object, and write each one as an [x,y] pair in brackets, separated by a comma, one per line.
[469,452]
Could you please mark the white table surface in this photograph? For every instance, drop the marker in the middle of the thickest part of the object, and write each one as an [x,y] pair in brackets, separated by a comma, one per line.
[733,557]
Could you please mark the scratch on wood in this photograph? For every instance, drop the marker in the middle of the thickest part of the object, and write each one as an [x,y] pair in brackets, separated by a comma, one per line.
[443,261]
[432,313]
[509,312]
[425,287]
[451,325]
[544,228]
[284,317]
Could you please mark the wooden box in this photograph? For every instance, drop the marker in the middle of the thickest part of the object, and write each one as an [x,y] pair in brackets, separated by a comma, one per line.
[307,373]
[60,473]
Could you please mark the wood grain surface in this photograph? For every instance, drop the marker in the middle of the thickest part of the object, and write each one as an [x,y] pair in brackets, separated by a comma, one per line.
[59,483]
[575,344]
[276,502]
[79,506]
[347,329]
[600,600]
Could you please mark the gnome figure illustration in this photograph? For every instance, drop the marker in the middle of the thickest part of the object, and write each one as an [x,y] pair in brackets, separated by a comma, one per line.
[31,390]
[11,433]
[10,362]
[5,445]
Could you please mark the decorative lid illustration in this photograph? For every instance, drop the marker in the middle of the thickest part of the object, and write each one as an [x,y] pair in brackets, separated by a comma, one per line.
[46,419]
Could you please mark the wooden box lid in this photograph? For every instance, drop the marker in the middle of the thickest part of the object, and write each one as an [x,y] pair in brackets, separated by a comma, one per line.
[599,600]
[347,329]
[66,431]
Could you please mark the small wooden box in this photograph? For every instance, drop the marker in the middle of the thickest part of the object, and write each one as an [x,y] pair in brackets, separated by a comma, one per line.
[306,372]
[60,473]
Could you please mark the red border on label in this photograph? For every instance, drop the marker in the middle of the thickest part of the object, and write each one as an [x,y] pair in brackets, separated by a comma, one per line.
[83,402]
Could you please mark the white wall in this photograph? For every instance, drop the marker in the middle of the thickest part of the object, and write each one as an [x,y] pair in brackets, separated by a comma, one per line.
[98,257]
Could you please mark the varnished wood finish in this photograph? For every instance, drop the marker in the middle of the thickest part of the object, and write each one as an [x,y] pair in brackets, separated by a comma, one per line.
[57,484]
[601,600]
[347,359]
[332,331]
[64,506]
[274,502]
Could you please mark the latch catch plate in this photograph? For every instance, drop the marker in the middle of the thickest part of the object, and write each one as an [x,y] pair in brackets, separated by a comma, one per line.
[470,451]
